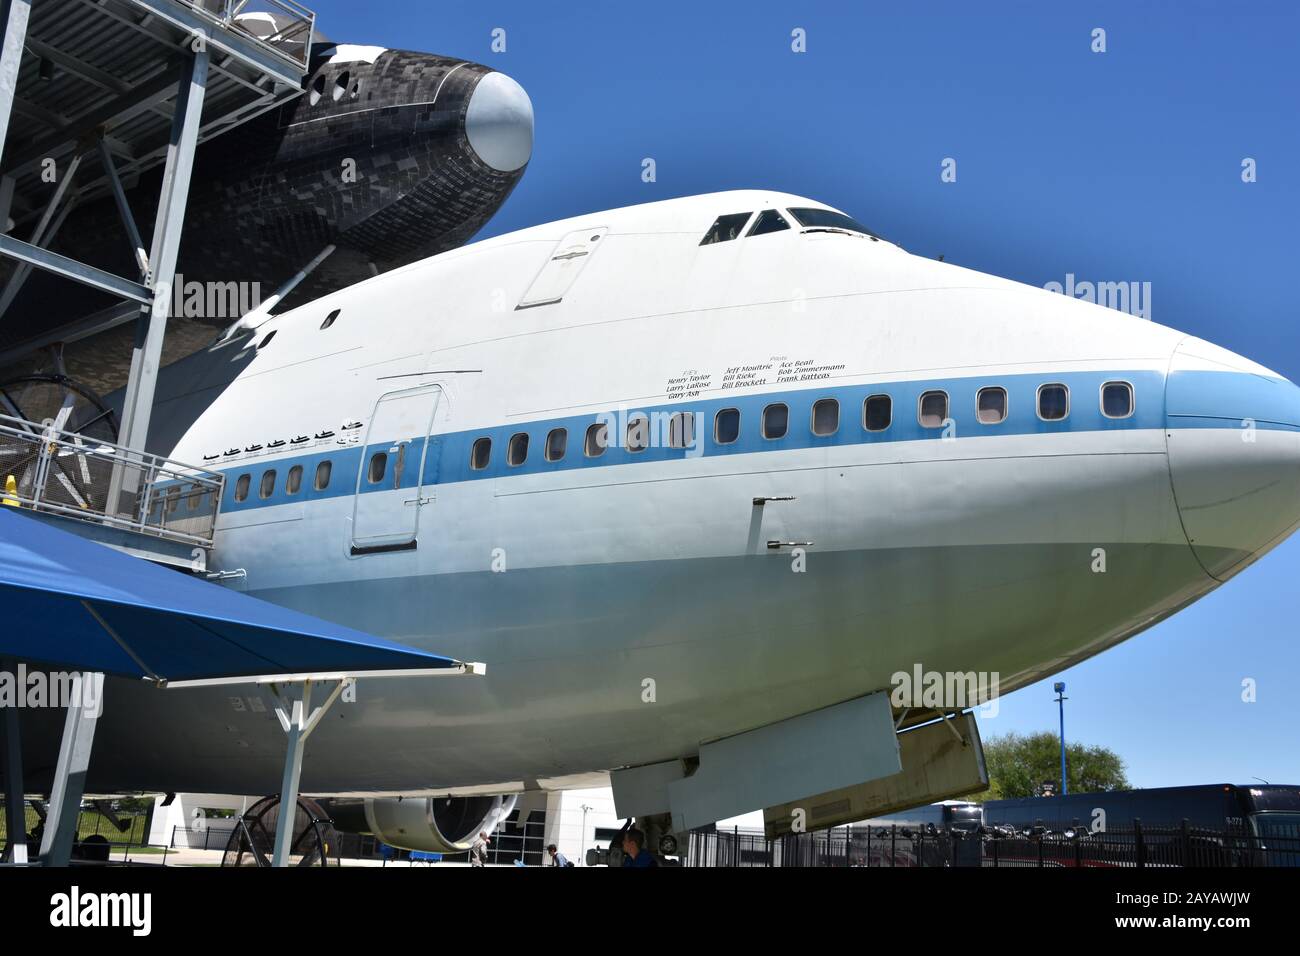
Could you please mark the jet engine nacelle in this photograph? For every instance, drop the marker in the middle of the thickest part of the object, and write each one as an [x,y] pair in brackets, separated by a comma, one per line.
[433,824]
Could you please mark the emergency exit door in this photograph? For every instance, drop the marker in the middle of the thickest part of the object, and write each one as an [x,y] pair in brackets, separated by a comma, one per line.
[392,474]
[569,257]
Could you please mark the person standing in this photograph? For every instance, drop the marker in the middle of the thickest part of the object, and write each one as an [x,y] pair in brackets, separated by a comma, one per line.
[478,850]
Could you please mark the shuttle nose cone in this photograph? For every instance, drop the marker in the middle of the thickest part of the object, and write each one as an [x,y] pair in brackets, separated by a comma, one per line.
[499,122]
[1234,454]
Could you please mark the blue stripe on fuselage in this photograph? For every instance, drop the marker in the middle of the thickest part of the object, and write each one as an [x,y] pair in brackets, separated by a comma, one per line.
[449,453]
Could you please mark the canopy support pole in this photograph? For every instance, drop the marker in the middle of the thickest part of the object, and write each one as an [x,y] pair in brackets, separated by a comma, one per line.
[84,706]
[293,714]
[15,851]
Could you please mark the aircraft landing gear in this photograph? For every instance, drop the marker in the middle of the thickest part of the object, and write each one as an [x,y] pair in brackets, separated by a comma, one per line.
[659,840]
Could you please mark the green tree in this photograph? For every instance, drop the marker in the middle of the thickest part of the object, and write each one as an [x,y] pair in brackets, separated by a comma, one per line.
[1019,763]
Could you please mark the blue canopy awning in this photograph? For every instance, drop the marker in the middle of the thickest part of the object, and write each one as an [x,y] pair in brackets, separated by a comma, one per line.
[84,606]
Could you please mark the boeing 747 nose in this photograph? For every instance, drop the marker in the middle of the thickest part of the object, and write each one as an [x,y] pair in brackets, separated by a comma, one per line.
[1234,454]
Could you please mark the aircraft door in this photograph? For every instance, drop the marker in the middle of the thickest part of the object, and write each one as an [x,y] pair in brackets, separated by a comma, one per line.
[394,470]
[569,257]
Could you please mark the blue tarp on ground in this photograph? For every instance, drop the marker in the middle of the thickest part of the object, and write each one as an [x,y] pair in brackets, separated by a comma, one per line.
[181,627]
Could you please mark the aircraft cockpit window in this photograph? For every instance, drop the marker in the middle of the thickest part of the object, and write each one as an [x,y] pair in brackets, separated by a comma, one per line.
[638,433]
[341,85]
[776,419]
[267,487]
[725,228]
[293,483]
[480,454]
[826,417]
[726,426]
[241,487]
[769,220]
[1117,399]
[877,413]
[597,441]
[329,319]
[1053,402]
[323,475]
[517,450]
[557,443]
[827,219]
[378,466]
[932,410]
[991,405]
[317,89]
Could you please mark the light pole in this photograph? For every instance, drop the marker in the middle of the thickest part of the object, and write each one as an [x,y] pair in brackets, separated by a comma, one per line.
[1059,687]
[582,855]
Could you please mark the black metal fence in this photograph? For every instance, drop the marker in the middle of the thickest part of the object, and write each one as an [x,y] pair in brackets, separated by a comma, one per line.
[893,846]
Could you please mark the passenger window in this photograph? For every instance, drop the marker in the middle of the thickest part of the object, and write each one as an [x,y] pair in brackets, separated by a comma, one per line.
[267,488]
[681,430]
[329,319]
[597,441]
[726,426]
[557,443]
[517,450]
[638,433]
[378,465]
[725,228]
[877,413]
[826,417]
[776,419]
[266,341]
[1117,399]
[481,454]
[769,220]
[241,487]
[323,475]
[173,498]
[293,484]
[1053,402]
[932,411]
[991,405]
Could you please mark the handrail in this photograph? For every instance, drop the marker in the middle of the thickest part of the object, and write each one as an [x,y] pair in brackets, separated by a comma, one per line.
[48,469]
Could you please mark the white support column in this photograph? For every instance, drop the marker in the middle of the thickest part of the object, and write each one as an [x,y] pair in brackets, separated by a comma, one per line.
[298,725]
[84,707]
[14,14]
[137,405]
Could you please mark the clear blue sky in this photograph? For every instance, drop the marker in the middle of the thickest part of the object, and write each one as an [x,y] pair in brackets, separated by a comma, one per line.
[1124,165]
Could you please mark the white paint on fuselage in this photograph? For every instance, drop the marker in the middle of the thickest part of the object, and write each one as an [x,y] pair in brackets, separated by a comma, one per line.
[564,674]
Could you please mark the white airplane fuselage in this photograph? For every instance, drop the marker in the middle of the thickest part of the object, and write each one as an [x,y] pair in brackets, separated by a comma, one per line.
[967,546]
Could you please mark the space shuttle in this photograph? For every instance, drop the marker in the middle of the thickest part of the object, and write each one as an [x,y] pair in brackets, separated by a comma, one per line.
[388,157]
[697,480]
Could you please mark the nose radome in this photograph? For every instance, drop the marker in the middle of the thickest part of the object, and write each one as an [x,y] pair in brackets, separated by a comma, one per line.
[499,122]
[1234,454]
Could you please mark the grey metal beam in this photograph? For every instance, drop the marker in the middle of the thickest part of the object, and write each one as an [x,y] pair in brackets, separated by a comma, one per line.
[74,270]
[123,211]
[133,104]
[15,812]
[45,230]
[248,50]
[14,14]
[117,314]
[137,405]
[79,68]
[70,771]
